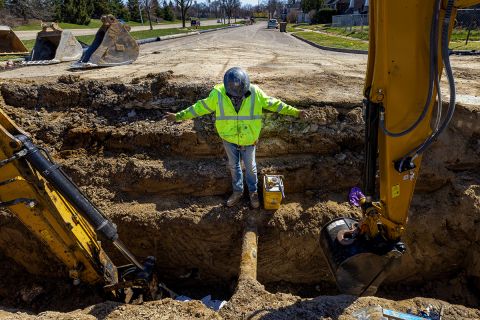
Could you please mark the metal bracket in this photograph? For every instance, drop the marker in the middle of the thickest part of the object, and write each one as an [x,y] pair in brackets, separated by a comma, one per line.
[28,202]
[20,154]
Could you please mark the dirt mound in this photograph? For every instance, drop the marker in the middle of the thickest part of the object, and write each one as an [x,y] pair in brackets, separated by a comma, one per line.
[164,186]
[252,302]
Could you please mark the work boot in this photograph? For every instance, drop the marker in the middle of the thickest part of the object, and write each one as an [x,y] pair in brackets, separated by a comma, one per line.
[254,200]
[234,198]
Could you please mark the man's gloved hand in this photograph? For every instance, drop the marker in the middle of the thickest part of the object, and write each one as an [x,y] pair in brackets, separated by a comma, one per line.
[302,114]
[170,117]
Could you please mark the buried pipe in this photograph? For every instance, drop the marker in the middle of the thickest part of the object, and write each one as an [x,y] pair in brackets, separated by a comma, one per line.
[248,260]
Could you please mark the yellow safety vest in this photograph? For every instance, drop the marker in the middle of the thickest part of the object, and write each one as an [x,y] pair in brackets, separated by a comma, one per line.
[242,128]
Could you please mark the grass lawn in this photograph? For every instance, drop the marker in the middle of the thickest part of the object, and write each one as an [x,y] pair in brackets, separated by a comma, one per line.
[457,41]
[210,27]
[94,23]
[354,32]
[157,33]
[333,41]
[29,44]
[460,35]
[6,58]
[460,45]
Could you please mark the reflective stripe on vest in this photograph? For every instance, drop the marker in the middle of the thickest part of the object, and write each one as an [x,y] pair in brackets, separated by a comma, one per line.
[252,109]
[270,102]
[280,107]
[206,107]
[193,111]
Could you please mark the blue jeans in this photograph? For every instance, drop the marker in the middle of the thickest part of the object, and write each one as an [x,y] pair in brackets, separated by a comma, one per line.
[236,153]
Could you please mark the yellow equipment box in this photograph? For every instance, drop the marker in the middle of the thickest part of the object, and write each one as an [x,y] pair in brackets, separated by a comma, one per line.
[273,191]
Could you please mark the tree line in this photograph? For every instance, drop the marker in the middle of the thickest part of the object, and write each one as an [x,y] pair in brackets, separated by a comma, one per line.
[82,11]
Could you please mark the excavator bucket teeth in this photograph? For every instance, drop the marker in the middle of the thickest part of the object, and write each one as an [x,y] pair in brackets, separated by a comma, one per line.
[359,266]
[113,46]
[55,46]
[10,43]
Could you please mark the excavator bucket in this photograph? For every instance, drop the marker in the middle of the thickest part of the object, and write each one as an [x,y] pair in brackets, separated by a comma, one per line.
[55,46]
[10,43]
[113,46]
[358,266]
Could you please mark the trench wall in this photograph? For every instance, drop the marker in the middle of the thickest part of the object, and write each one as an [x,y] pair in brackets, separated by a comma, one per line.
[165,185]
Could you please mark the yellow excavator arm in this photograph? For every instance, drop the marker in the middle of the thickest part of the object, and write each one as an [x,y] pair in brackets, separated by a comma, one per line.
[404,115]
[48,203]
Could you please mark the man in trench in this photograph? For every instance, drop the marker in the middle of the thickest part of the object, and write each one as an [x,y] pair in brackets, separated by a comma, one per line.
[238,107]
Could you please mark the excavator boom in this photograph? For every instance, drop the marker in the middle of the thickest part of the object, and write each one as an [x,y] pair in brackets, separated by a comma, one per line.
[404,115]
[52,207]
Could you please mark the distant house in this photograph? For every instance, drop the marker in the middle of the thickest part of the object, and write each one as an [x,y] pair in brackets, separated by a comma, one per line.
[295,6]
[348,6]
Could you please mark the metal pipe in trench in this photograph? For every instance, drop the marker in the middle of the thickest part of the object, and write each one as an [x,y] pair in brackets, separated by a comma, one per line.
[248,261]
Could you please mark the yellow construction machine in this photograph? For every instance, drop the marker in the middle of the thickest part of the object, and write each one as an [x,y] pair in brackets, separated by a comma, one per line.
[10,43]
[403,117]
[51,206]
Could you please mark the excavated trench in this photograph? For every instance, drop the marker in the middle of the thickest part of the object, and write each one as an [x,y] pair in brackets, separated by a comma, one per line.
[165,186]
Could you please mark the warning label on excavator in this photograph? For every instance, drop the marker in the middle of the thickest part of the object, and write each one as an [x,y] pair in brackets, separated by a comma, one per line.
[395,191]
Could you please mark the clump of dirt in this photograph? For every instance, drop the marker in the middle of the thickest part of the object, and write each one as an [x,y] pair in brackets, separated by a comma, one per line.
[164,185]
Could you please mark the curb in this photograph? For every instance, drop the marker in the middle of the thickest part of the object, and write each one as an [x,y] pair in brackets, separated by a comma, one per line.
[329,48]
[221,28]
[181,35]
[465,52]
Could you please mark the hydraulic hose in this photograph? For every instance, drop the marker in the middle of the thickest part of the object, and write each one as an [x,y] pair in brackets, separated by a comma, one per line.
[437,78]
[432,67]
[451,86]
[450,78]
[62,184]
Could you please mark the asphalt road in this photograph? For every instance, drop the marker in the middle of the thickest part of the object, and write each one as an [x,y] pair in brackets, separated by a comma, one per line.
[30,35]
[281,64]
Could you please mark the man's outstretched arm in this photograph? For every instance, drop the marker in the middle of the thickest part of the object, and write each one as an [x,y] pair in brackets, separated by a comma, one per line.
[276,105]
[200,108]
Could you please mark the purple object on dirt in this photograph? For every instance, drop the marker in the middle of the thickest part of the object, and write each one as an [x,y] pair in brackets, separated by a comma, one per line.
[355,196]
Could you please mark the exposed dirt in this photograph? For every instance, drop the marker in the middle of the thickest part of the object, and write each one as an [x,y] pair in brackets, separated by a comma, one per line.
[165,185]
[251,301]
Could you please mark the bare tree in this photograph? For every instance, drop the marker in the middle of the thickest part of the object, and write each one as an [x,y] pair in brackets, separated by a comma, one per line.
[184,5]
[148,5]
[216,7]
[292,16]
[272,6]
[229,6]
